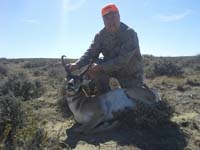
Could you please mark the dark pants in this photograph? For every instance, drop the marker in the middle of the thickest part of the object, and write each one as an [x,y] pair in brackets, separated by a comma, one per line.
[135,87]
[102,82]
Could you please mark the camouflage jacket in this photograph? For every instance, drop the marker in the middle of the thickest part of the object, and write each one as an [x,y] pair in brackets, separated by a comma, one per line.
[121,52]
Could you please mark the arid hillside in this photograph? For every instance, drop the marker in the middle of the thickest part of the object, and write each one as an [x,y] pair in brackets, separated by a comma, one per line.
[33,112]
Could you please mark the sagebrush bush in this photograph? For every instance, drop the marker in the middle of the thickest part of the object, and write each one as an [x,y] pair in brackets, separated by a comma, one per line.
[193,82]
[37,73]
[11,114]
[3,70]
[197,68]
[167,68]
[35,64]
[149,72]
[53,73]
[62,102]
[198,56]
[21,87]
[56,76]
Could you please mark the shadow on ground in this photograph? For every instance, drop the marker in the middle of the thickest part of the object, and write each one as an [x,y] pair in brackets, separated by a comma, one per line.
[164,135]
[168,137]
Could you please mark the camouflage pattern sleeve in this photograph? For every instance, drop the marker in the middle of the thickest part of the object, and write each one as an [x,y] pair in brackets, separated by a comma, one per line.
[126,51]
[91,54]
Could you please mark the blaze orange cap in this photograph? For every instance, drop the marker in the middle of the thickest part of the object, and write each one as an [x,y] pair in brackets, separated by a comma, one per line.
[109,8]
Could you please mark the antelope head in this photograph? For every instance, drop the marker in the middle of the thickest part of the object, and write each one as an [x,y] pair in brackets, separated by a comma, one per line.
[74,82]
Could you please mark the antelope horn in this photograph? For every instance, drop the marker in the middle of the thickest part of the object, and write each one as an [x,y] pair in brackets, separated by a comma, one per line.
[64,65]
[91,62]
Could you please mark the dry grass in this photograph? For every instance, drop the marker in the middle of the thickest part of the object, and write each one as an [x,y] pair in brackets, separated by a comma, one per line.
[152,128]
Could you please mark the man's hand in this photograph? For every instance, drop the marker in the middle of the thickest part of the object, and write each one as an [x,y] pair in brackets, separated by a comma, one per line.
[72,66]
[94,70]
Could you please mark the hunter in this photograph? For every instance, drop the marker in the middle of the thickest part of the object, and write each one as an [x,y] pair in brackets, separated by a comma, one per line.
[119,45]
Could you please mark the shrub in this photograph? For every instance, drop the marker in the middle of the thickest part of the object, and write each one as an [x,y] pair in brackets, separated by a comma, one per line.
[37,73]
[197,68]
[11,114]
[149,72]
[198,56]
[35,64]
[3,70]
[193,82]
[62,103]
[167,68]
[53,73]
[21,87]
[37,140]
[57,74]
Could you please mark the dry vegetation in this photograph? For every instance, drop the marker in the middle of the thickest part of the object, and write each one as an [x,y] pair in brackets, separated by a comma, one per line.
[34,115]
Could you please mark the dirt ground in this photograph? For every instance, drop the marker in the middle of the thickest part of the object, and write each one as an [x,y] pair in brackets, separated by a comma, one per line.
[179,129]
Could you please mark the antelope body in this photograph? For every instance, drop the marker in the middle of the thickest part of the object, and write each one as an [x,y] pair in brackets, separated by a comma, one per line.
[91,111]
[85,108]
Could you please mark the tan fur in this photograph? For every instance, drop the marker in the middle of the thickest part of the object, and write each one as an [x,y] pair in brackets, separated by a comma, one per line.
[114,83]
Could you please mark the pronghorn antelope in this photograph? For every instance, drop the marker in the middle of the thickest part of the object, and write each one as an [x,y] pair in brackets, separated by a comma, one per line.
[92,111]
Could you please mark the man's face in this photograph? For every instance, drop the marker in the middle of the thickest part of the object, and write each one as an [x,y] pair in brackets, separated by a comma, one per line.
[112,21]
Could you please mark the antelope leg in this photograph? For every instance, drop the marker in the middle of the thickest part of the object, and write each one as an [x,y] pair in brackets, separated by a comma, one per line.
[105,127]
[84,128]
